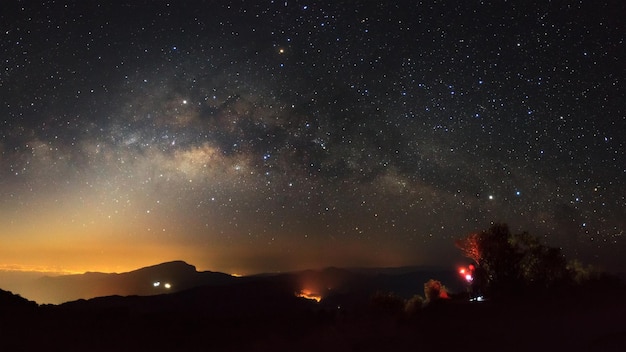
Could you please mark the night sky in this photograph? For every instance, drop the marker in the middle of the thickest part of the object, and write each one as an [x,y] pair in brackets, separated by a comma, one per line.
[252,136]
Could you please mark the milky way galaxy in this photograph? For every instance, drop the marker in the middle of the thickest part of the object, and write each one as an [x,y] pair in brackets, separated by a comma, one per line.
[250,136]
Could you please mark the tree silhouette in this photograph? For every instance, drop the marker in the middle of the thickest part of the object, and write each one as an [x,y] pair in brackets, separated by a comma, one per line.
[509,263]
[470,246]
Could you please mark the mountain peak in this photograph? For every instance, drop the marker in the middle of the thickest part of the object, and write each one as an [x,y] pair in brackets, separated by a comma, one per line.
[175,264]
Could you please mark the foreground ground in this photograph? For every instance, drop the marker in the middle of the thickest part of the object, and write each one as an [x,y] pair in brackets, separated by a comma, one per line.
[262,319]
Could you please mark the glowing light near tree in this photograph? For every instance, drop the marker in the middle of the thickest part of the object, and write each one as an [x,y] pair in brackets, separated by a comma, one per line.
[466,273]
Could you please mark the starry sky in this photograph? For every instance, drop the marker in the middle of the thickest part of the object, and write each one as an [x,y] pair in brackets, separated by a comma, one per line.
[252,136]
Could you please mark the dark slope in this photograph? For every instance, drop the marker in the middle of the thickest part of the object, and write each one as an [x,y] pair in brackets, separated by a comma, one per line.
[262,313]
[10,302]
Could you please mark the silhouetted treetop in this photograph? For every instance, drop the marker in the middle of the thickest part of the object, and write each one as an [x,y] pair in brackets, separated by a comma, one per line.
[511,262]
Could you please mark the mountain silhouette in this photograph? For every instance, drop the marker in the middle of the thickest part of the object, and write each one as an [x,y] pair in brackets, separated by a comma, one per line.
[153,280]
[13,302]
[208,311]
[178,275]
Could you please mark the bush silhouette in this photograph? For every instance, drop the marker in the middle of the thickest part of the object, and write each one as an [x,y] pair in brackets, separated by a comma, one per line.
[413,305]
[434,291]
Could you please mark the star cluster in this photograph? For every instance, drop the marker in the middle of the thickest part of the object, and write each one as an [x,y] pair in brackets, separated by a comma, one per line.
[272,135]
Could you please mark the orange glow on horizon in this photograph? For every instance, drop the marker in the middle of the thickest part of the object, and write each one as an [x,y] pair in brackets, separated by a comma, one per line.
[17,268]
[94,255]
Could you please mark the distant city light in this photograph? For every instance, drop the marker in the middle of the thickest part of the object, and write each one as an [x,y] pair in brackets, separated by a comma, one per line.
[166,285]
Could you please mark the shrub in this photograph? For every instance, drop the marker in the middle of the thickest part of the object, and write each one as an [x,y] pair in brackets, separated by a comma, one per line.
[413,305]
[580,273]
[434,290]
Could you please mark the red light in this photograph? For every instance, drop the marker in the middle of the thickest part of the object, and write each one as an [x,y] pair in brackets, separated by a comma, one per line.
[466,273]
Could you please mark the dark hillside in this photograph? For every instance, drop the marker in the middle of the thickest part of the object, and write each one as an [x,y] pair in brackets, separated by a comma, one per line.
[264,315]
